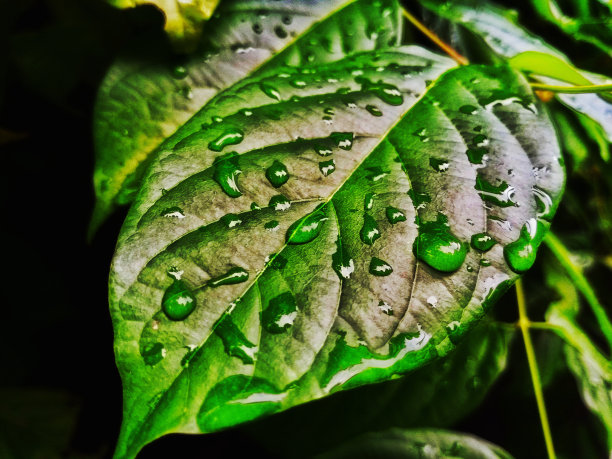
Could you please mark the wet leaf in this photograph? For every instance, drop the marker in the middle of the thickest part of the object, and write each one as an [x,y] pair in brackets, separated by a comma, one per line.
[143,101]
[416,444]
[333,299]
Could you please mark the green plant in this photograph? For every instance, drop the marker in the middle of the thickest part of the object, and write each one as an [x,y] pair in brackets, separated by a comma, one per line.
[328,198]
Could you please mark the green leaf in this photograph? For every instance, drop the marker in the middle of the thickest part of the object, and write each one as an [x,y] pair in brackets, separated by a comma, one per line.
[593,371]
[326,305]
[143,101]
[548,65]
[416,444]
[437,395]
[499,29]
[184,18]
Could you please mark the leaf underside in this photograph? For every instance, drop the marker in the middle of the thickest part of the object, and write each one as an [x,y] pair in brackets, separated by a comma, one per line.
[309,231]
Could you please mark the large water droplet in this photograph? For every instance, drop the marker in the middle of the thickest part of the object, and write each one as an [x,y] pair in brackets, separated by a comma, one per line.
[521,254]
[327,167]
[235,275]
[369,231]
[277,174]
[178,300]
[438,247]
[279,202]
[226,171]
[234,341]
[270,91]
[483,242]
[280,313]
[379,267]
[228,137]
[476,155]
[394,215]
[306,229]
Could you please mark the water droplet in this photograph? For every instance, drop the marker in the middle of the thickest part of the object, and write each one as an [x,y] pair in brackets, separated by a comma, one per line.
[379,267]
[341,262]
[432,301]
[419,200]
[235,275]
[385,308]
[322,149]
[234,341]
[231,220]
[501,195]
[226,171]
[280,32]
[297,83]
[468,109]
[272,225]
[343,140]
[328,111]
[153,353]
[480,140]
[421,134]
[306,229]
[228,137]
[191,351]
[179,72]
[368,201]
[369,231]
[280,313]
[270,91]
[484,262]
[178,300]
[544,203]
[286,20]
[327,167]
[279,202]
[388,93]
[255,206]
[395,215]
[173,212]
[257,28]
[373,110]
[246,112]
[438,165]
[476,155]
[521,254]
[438,247]
[482,242]
[277,174]
[376,173]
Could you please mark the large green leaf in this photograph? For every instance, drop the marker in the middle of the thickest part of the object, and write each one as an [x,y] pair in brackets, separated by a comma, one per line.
[269,257]
[143,100]
[417,444]
[499,29]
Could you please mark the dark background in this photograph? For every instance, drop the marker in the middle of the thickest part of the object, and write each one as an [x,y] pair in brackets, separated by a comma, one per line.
[60,392]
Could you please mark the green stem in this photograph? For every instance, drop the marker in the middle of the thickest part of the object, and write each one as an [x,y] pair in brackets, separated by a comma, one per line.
[582,284]
[573,89]
[461,60]
[533,368]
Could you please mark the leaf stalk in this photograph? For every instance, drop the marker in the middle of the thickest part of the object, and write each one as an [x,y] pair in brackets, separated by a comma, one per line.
[593,88]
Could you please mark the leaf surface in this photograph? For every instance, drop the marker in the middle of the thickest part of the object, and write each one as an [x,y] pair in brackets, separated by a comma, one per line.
[416,444]
[142,101]
[317,238]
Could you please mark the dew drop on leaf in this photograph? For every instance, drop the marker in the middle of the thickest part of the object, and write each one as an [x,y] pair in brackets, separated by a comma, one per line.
[482,242]
[234,341]
[379,267]
[521,254]
[178,300]
[438,247]
[280,313]
[153,353]
[327,167]
[270,91]
[277,174]
[228,137]
[373,110]
[394,215]
[279,202]
[235,275]
[226,171]
[369,231]
[231,220]
[306,229]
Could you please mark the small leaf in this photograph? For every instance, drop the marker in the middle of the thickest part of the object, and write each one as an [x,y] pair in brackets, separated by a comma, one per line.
[416,444]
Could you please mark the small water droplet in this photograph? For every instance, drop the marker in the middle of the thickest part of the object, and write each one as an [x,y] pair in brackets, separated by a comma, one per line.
[379,267]
[385,308]
[228,137]
[438,247]
[280,32]
[439,165]
[368,201]
[279,202]
[178,300]
[234,341]
[369,231]
[235,275]
[226,171]
[482,242]
[231,220]
[257,28]
[468,109]
[376,173]
[286,20]
[297,83]
[272,225]
[373,110]
[421,134]
[343,140]
[179,72]
[394,215]
[255,206]
[277,174]
[327,167]
[476,155]
[280,314]
[341,262]
[388,93]
[485,262]
[173,212]
[501,195]
[270,91]
[246,112]
[153,353]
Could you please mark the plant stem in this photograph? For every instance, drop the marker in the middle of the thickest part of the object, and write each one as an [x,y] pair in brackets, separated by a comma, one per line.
[461,60]
[573,89]
[533,368]
[582,284]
